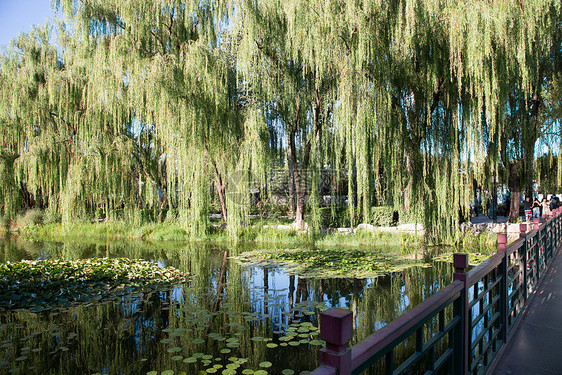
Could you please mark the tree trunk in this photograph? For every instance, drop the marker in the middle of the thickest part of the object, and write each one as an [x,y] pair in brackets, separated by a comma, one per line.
[530,140]
[515,189]
[301,177]
[219,185]
[407,192]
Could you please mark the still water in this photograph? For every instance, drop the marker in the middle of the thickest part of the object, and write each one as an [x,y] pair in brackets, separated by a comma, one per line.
[229,319]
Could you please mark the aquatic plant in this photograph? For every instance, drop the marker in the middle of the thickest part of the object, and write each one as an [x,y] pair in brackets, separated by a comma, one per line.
[330,262]
[43,284]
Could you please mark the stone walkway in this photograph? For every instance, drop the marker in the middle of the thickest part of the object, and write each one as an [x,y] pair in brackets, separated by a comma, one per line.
[534,348]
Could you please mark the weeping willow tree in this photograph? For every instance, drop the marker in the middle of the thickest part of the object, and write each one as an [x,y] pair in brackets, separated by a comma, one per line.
[439,75]
[410,101]
[65,126]
[141,99]
[289,76]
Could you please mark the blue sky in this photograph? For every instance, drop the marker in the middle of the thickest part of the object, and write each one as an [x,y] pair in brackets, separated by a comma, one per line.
[17,16]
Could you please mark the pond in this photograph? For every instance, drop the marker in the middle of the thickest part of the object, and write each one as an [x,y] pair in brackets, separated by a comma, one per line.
[230,318]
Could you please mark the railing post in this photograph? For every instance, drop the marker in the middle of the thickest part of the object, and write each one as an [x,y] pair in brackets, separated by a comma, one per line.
[537,253]
[336,329]
[523,234]
[462,343]
[536,223]
[502,242]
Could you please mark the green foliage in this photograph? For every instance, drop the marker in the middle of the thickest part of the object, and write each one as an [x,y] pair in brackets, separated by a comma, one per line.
[411,216]
[44,284]
[322,263]
[482,243]
[382,216]
[146,105]
[30,218]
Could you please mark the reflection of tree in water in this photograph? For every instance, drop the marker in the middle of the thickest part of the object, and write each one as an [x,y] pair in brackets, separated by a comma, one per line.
[224,300]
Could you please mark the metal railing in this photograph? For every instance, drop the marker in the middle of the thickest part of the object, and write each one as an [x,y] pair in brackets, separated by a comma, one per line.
[458,330]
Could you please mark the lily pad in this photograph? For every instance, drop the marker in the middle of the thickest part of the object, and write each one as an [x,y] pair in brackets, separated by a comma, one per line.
[46,284]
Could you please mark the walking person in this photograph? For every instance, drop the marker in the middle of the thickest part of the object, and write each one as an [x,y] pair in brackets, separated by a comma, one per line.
[528,208]
[545,207]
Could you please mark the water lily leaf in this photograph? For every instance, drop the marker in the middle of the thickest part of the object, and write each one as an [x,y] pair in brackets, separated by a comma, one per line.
[207,356]
[166,341]
[257,338]
[177,358]
[198,341]
[271,345]
[260,372]
[225,351]
[167,372]
[288,371]
[211,370]
[265,364]
[228,372]
[174,349]
[190,360]
[247,371]
[152,373]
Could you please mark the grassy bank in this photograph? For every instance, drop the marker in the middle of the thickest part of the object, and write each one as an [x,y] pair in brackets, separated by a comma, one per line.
[257,234]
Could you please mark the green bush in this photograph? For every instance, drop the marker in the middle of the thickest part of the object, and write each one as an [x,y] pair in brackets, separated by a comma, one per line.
[382,216]
[29,218]
[50,216]
[410,216]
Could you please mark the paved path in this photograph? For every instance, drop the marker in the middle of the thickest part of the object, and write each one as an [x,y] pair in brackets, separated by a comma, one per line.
[536,346]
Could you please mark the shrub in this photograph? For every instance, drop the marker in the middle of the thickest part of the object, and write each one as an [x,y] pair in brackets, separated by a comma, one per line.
[411,216]
[30,218]
[382,216]
[50,217]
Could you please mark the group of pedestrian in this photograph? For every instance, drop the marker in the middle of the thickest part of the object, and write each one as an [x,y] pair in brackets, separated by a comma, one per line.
[538,209]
